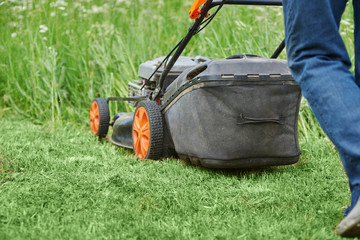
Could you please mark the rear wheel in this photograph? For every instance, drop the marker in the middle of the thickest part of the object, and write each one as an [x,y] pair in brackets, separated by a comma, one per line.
[99,117]
[148,131]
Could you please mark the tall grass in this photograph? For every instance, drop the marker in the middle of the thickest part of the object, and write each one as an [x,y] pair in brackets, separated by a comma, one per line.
[55,57]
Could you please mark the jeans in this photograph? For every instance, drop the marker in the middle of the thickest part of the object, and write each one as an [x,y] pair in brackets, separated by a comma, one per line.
[319,62]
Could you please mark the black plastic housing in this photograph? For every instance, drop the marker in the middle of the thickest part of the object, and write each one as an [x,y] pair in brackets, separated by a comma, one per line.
[234,113]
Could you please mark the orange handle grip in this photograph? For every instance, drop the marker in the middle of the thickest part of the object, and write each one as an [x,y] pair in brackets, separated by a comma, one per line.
[195,8]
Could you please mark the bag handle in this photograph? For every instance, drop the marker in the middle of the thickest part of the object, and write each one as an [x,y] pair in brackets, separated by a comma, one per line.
[248,120]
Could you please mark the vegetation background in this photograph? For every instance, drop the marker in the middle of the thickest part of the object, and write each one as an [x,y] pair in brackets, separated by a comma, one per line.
[57,181]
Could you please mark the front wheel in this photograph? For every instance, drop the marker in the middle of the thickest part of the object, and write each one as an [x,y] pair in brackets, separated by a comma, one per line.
[99,117]
[148,131]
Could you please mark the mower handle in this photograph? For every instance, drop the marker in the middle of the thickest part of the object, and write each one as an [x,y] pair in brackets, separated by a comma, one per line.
[247,2]
[195,8]
[208,4]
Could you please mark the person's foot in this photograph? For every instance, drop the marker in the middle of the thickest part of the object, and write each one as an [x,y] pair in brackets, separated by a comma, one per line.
[350,225]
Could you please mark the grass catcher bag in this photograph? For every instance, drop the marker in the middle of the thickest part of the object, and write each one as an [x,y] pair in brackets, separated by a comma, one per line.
[237,112]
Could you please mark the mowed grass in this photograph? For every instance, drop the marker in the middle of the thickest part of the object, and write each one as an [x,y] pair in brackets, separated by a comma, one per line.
[61,183]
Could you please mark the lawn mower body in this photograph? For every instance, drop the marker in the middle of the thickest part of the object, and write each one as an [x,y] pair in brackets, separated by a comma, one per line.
[237,112]
[227,113]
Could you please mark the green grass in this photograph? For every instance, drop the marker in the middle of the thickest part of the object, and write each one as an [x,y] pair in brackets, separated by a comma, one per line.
[55,57]
[60,183]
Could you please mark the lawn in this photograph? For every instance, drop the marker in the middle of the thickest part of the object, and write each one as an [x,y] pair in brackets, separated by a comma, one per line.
[58,182]
[61,183]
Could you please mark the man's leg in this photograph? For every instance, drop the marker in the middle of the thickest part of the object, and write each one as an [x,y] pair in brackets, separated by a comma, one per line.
[320,64]
[356,4]
[356,7]
[350,226]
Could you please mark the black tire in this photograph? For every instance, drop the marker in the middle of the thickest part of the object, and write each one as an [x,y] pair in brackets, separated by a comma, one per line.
[103,118]
[156,141]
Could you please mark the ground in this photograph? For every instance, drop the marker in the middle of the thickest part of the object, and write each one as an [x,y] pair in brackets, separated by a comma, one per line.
[60,182]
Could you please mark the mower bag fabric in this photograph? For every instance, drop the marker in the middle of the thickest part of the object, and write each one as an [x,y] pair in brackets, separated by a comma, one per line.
[235,112]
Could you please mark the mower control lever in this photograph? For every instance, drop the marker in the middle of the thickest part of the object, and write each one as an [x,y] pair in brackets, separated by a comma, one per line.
[195,9]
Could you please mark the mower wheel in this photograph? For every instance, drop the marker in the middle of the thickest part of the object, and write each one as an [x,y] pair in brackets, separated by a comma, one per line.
[148,131]
[99,117]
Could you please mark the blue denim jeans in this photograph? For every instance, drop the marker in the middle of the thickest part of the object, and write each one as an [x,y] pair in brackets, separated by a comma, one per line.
[319,62]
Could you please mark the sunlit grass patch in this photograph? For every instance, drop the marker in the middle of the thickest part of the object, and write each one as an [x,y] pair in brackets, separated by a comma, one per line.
[69,185]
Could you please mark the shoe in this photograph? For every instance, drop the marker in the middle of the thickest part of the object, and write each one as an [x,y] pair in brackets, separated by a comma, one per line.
[350,225]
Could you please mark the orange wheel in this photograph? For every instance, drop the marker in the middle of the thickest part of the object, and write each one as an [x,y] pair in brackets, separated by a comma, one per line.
[147,131]
[99,117]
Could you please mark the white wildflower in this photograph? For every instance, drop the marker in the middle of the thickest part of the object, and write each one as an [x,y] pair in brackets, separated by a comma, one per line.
[52,51]
[18,8]
[96,9]
[13,34]
[160,3]
[64,3]
[12,24]
[53,14]
[58,3]
[345,22]
[43,28]
[45,38]
[61,8]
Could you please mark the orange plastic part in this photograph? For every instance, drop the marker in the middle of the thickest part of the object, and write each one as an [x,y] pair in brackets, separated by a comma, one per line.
[141,133]
[94,117]
[195,8]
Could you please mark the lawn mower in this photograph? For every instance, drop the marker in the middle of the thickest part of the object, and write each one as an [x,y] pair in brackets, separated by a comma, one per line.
[237,112]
